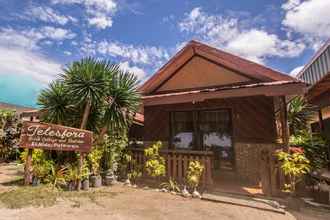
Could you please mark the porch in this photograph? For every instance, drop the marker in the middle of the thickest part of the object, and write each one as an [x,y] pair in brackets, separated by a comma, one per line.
[216,180]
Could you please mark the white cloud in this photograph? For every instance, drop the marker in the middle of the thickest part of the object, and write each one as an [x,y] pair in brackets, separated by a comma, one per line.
[99,12]
[265,45]
[140,73]
[19,52]
[233,34]
[290,4]
[137,54]
[296,70]
[47,14]
[101,21]
[56,33]
[25,62]
[309,18]
[30,39]
[68,53]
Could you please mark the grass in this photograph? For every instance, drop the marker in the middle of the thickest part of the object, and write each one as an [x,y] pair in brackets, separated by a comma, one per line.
[44,196]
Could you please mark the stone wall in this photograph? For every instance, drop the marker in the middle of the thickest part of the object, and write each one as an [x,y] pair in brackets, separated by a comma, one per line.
[248,160]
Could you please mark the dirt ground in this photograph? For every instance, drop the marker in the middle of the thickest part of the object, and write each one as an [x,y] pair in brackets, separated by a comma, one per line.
[134,203]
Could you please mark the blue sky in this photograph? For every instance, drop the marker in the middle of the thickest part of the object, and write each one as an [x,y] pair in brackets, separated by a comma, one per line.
[38,37]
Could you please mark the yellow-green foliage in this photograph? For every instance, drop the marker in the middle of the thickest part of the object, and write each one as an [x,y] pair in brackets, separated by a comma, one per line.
[295,166]
[41,166]
[94,158]
[194,173]
[155,164]
[171,185]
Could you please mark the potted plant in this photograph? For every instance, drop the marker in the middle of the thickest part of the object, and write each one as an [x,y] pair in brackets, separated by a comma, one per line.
[85,177]
[94,159]
[194,174]
[113,146]
[155,164]
[72,177]
[295,165]
[41,167]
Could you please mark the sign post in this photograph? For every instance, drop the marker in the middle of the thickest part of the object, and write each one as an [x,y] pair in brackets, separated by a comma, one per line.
[36,135]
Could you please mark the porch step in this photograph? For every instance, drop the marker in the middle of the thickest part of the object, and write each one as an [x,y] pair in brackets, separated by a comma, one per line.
[245,201]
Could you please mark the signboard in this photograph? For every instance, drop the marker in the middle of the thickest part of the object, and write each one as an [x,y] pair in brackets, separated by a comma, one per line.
[54,137]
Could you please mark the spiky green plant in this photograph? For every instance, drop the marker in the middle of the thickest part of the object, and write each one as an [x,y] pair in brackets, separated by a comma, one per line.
[56,104]
[300,114]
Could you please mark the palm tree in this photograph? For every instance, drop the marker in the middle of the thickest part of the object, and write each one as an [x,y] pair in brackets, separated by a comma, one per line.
[86,84]
[122,100]
[55,104]
[300,112]
[92,94]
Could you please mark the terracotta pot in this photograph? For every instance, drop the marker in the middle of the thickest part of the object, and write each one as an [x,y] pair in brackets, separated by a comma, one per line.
[96,181]
[85,184]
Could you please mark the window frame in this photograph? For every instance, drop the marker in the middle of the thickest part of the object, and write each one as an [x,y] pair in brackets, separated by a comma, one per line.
[197,143]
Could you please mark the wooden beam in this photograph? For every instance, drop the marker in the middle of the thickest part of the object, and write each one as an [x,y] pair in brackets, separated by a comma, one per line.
[271,90]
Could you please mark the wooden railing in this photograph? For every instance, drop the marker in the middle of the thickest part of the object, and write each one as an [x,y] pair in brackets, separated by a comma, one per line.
[177,162]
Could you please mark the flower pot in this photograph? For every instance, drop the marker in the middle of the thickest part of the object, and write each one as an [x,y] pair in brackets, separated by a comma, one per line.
[108,180]
[35,181]
[96,181]
[71,186]
[85,184]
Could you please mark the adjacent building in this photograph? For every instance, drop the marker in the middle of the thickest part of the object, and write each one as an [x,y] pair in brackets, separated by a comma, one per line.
[316,73]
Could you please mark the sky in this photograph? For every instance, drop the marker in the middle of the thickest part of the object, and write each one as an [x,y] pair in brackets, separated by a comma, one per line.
[38,38]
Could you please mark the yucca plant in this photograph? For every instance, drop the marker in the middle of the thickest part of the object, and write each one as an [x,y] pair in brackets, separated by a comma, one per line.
[56,104]
[300,112]
[86,82]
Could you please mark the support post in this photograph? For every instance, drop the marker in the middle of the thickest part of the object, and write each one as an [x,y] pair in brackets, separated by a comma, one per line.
[80,166]
[27,168]
[321,124]
[285,127]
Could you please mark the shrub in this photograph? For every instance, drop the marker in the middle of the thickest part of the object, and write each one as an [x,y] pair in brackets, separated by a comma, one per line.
[41,165]
[113,148]
[56,177]
[155,164]
[314,146]
[10,127]
[294,165]
[194,174]
[94,159]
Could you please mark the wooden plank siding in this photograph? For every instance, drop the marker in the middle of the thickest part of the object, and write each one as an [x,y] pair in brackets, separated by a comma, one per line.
[252,117]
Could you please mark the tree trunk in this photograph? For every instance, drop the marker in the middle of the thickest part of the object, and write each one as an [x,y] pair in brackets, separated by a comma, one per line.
[86,114]
[102,133]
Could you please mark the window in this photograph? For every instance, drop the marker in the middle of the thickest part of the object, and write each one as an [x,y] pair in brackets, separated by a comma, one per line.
[204,130]
[182,130]
[215,128]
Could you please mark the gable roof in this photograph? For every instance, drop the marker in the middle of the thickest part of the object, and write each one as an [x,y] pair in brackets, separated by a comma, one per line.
[237,64]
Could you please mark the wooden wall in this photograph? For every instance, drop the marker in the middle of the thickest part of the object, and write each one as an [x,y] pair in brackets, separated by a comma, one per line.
[253,118]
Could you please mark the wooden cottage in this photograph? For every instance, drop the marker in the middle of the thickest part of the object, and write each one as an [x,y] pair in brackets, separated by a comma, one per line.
[209,105]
